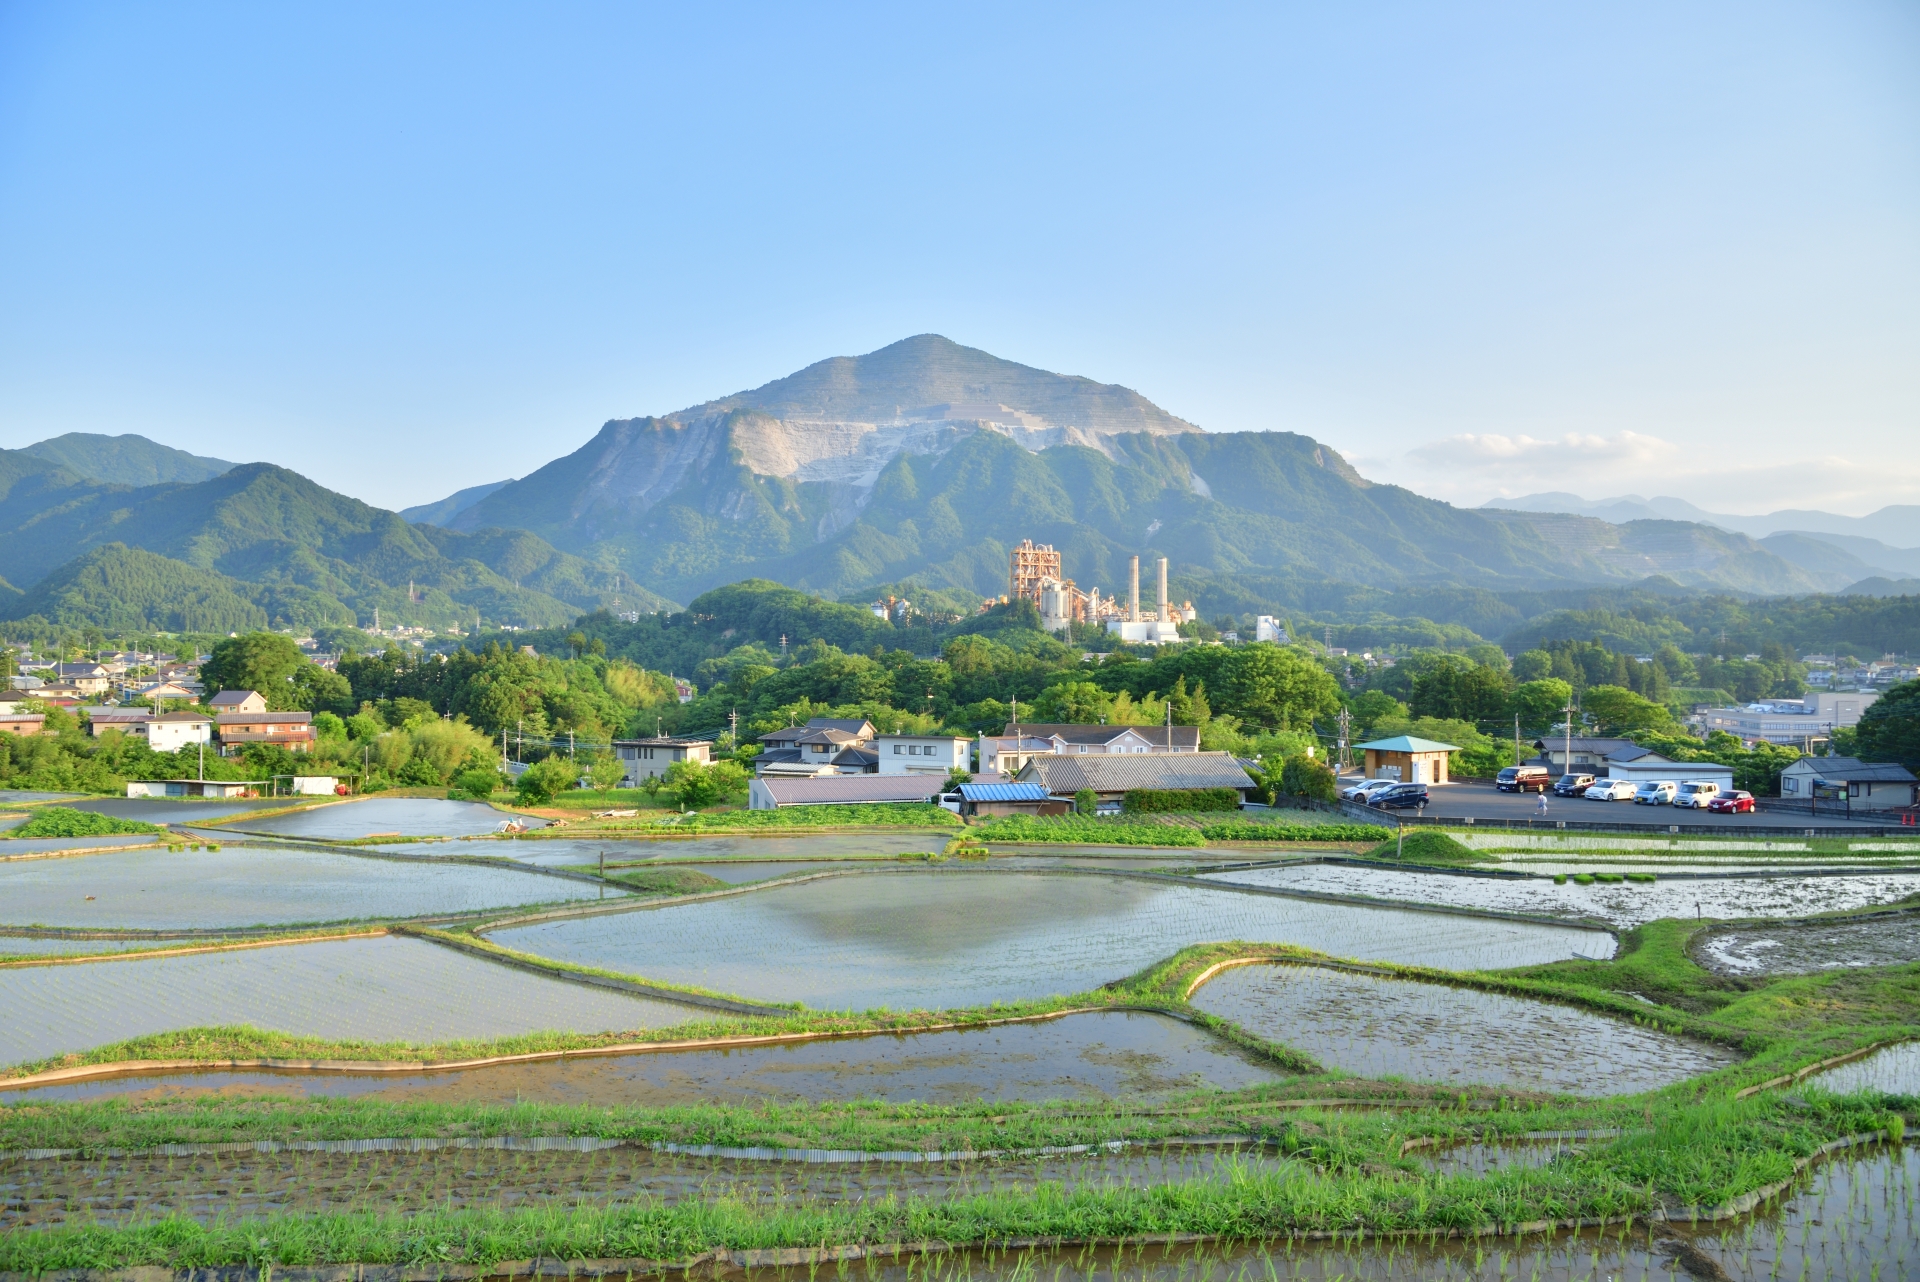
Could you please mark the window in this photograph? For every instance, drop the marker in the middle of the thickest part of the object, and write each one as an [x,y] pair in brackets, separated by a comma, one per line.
[896,749]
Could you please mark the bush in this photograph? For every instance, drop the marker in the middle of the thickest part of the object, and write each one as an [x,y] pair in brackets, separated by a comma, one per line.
[1086,802]
[541,780]
[1302,776]
[59,821]
[478,784]
[1151,801]
[696,786]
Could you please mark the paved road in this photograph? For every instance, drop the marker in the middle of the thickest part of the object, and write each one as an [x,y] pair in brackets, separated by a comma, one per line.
[1481,801]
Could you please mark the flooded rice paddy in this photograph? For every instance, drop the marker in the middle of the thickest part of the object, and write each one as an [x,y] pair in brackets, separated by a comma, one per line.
[240,885]
[164,810]
[384,816]
[1109,1055]
[1893,1069]
[1801,948]
[1483,1158]
[125,1190]
[377,988]
[1848,1220]
[1377,1027]
[55,946]
[1620,904]
[952,937]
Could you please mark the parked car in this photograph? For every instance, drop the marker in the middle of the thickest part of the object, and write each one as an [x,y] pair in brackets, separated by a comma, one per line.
[1732,803]
[1400,797]
[1655,792]
[1365,788]
[1572,785]
[1523,779]
[1695,794]
[1612,790]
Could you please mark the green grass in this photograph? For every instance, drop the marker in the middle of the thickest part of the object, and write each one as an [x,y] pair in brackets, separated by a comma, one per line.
[62,821]
[1080,830]
[1427,846]
[1291,829]
[802,818]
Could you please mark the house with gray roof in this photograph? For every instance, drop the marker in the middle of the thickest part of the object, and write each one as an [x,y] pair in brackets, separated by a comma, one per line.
[1111,776]
[1862,785]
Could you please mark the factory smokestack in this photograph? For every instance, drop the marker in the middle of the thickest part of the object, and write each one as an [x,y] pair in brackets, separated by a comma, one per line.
[1166,611]
[1133,597]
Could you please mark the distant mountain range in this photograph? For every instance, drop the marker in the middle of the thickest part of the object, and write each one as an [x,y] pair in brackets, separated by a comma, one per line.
[925,460]
[918,464]
[1884,542]
[255,545]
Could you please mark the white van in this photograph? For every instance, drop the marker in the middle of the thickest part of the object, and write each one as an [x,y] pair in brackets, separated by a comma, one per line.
[1656,792]
[1696,793]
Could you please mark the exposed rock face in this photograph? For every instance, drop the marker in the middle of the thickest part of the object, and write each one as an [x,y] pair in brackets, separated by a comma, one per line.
[839,423]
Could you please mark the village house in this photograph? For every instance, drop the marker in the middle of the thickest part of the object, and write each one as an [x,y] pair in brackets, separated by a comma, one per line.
[290,730]
[651,758]
[824,746]
[1861,785]
[1408,758]
[922,754]
[172,731]
[1110,777]
[775,792]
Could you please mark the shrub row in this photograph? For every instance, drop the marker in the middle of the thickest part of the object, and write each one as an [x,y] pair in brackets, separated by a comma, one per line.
[1161,801]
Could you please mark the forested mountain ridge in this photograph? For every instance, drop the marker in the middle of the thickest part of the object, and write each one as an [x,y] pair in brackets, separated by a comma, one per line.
[125,460]
[299,552]
[922,462]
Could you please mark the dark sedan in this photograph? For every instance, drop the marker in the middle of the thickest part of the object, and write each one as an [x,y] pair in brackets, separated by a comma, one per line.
[1401,796]
[1573,785]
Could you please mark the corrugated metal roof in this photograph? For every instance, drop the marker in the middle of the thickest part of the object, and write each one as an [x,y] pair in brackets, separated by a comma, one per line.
[1063,775]
[1003,792]
[847,789]
[1853,770]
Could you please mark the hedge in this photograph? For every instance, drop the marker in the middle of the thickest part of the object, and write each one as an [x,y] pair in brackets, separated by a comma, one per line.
[1161,801]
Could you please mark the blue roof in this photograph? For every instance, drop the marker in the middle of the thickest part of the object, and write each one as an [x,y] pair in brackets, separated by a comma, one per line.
[1003,792]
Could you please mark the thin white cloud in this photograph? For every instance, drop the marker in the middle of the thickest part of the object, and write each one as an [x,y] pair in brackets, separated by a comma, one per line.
[1475,467]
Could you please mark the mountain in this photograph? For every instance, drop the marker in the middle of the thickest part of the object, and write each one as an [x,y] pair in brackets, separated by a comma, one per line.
[121,589]
[442,512]
[924,461]
[299,553]
[124,460]
[1884,587]
[1895,528]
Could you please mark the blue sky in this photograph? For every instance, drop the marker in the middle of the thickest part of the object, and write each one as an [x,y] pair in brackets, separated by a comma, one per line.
[1481,249]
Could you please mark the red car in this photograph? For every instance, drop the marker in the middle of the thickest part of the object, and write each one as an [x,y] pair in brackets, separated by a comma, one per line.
[1731,803]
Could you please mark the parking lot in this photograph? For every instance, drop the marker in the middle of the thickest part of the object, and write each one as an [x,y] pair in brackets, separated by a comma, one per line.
[1479,801]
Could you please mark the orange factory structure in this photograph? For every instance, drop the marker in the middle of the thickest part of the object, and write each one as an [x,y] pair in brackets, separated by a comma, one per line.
[1035,573]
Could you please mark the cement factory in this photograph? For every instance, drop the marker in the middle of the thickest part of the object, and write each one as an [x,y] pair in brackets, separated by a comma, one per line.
[1035,573]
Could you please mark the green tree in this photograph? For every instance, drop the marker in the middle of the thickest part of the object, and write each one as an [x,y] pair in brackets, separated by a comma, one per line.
[1538,704]
[543,780]
[605,770]
[1532,665]
[1086,801]
[1889,729]
[696,785]
[263,661]
[1615,710]
[1302,776]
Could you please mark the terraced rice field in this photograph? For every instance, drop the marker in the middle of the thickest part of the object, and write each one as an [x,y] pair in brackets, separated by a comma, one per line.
[1621,904]
[242,885]
[1849,1220]
[374,988]
[1379,1028]
[1801,948]
[44,1193]
[952,937]
[1893,1069]
[1095,1056]
[378,816]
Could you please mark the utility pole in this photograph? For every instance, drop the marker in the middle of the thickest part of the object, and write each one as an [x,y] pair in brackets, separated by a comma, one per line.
[1566,762]
[1346,723]
[1516,738]
[519,738]
[783,647]
[733,728]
